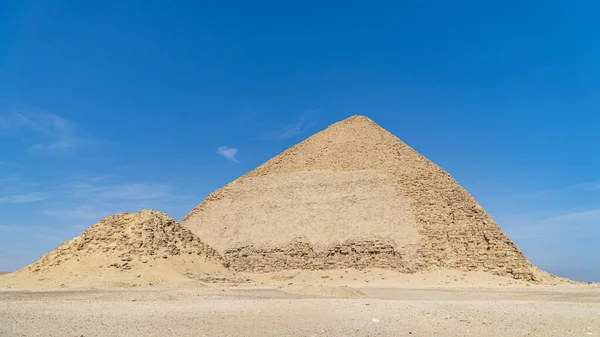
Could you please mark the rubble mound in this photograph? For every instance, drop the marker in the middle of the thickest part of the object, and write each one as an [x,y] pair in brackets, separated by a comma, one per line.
[124,241]
[354,196]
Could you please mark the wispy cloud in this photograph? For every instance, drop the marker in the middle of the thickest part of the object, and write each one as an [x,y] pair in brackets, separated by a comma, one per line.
[134,192]
[80,213]
[24,198]
[95,197]
[590,186]
[43,132]
[297,127]
[33,231]
[584,223]
[99,190]
[576,217]
[228,152]
[86,198]
[562,243]
[69,204]
[294,129]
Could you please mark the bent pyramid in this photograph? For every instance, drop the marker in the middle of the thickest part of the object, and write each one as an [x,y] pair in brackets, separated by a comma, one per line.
[144,244]
[354,196]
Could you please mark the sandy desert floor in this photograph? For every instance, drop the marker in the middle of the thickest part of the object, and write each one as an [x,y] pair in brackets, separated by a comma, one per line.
[287,305]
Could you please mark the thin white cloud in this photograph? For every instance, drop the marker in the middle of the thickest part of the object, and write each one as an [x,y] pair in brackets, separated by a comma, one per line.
[101,197]
[45,133]
[575,217]
[59,146]
[87,197]
[134,192]
[297,127]
[560,242]
[83,200]
[88,203]
[91,189]
[228,152]
[33,231]
[293,129]
[590,186]
[24,198]
[89,215]
[72,204]
[584,223]
[111,188]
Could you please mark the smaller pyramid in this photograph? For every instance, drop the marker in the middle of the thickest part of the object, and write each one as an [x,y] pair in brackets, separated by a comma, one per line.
[140,244]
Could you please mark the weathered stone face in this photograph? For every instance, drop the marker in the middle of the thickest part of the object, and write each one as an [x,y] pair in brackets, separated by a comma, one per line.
[356,196]
[131,239]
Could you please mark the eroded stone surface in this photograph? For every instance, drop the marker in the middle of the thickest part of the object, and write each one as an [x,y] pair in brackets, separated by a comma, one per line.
[128,239]
[454,231]
[357,254]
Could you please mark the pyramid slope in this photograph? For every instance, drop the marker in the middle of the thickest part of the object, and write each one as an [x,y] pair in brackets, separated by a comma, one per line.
[400,211]
[139,247]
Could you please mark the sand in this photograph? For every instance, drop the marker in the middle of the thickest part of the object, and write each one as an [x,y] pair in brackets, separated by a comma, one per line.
[353,195]
[276,309]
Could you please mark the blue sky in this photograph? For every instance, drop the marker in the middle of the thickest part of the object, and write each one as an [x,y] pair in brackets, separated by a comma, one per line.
[115,106]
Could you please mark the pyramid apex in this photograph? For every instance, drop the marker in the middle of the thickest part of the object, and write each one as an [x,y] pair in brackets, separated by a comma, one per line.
[356,121]
[358,118]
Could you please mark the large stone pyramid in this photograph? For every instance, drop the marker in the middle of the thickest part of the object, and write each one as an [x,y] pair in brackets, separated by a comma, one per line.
[356,196]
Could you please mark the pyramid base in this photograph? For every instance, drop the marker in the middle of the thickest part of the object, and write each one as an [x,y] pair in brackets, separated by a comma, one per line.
[299,254]
[356,254]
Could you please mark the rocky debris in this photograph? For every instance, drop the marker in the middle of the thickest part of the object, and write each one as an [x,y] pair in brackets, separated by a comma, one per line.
[216,278]
[453,229]
[299,254]
[129,239]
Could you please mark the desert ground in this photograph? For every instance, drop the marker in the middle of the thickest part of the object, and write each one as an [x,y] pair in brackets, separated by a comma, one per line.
[302,303]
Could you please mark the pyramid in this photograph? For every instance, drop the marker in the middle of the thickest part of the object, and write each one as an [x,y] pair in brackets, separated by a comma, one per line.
[353,196]
[126,246]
